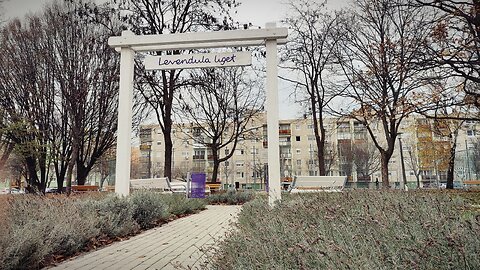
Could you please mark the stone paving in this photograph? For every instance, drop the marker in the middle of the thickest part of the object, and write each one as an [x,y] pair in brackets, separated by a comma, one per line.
[175,245]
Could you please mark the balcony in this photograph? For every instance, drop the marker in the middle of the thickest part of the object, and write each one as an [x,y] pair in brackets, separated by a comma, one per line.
[285,155]
[285,143]
[198,157]
[286,132]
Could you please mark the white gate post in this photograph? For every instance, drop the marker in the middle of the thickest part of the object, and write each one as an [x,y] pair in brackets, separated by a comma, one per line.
[124,131]
[274,191]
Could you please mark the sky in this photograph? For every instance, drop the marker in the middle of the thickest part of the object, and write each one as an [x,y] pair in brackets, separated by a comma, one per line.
[258,12]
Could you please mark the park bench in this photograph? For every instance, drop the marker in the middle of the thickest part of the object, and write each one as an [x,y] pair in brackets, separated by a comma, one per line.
[213,187]
[109,188]
[472,184]
[317,183]
[159,184]
[177,186]
[85,188]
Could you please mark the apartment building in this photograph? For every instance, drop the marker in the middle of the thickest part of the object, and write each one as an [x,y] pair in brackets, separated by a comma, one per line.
[349,151]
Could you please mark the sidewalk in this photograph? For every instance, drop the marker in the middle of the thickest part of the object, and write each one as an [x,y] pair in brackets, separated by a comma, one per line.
[174,245]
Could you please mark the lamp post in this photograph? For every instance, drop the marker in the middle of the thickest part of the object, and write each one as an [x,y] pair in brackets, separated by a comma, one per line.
[226,166]
[467,159]
[149,162]
[254,168]
[404,176]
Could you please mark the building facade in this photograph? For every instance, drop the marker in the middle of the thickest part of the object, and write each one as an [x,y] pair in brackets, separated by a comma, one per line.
[349,151]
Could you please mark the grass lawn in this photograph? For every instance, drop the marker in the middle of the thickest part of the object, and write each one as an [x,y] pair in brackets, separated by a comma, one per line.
[358,229]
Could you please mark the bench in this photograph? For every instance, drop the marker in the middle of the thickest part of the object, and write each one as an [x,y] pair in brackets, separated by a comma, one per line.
[160,184]
[85,188]
[317,183]
[109,188]
[177,186]
[213,187]
[469,184]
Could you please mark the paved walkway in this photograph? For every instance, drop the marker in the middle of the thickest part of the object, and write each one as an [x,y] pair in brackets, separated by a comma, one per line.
[175,245]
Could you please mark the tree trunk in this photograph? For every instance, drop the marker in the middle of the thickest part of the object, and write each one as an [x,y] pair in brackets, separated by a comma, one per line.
[319,131]
[451,164]
[32,173]
[384,161]
[71,163]
[82,173]
[167,169]
[60,178]
[216,164]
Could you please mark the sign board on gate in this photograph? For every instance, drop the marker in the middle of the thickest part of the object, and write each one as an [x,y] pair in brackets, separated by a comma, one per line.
[184,61]
[197,189]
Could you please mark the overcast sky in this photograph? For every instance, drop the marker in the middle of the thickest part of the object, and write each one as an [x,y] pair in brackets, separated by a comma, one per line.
[258,12]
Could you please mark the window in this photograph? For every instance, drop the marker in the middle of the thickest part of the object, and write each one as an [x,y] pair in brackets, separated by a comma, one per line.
[297,126]
[159,142]
[240,174]
[299,162]
[298,151]
[311,137]
[470,133]
[297,138]
[310,126]
[239,164]
[239,152]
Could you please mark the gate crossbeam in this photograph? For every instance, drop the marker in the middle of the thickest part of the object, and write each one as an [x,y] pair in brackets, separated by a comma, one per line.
[198,40]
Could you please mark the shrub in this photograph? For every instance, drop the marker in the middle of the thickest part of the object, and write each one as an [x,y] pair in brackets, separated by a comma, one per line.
[113,215]
[39,227]
[231,197]
[354,230]
[148,208]
[35,228]
[178,205]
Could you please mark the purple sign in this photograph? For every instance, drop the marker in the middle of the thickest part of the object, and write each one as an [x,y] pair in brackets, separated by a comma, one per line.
[197,188]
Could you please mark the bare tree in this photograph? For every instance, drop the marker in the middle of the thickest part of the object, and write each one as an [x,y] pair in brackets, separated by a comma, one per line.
[221,105]
[59,83]
[27,96]
[413,160]
[366,159]
[163,17]
[448,128]
[86,70]
[456,44]
[379,56]
[310,55]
